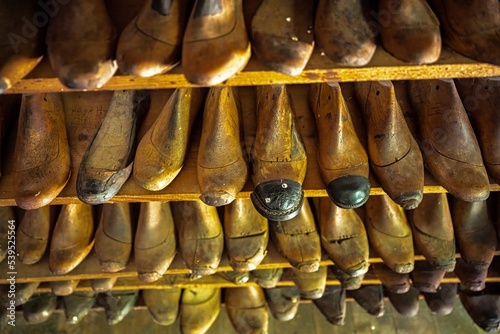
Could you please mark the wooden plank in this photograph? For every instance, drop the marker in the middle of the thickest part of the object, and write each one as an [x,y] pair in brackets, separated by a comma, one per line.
[319,69]
[85,111]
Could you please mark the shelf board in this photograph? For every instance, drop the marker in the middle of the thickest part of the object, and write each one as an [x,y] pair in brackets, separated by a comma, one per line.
[85,111]
[319,69]
[91,269]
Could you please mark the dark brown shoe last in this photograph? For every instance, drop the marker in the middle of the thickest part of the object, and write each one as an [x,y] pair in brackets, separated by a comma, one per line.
[332,304]
[279,156]
[77,306]
[425,277]
[81,42]
[335,35]
[481,99]
[449,146]
[443,300]
[347,281]
[393,282]
[407,303]
[483,307]
[117,304]
[471,30]
[393,152]
[282,36]
[370,298]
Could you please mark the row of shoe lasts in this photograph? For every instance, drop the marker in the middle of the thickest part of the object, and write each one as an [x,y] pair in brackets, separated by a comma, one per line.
[449,147]
[85,52]
[431,229]
[248,307]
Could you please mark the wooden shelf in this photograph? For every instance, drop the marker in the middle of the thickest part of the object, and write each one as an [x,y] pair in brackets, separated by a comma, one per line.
[319,69]
[85,111]
[91,269]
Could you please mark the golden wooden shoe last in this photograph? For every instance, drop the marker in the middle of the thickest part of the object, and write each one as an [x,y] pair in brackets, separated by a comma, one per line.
[389,233]
[311,285]
[216,31]
[247,309]
[199,309]
[412,31]
[298,240]
[267,278]
[282,34]
[163,304]
[343,236]
[101,285]
[343,31]
[432,230]
[114,236]
[347,281]
[19,52]
[481,100]
[151,44]
[201,239]
[222,169]
[394,154]
[41,157]
[342,160]
[245,234]
[279,156]
[72,238]
[63,288]
[155,242]
[108,161]
[33,234]
[161,152]
[449,146]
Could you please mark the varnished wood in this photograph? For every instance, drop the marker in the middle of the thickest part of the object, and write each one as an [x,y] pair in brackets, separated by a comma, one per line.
[185,186]
[319,69]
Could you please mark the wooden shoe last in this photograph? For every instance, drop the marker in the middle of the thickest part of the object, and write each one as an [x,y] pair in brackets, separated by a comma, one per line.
[279,156]
[389,233]
[282,36]
[343,236]
[201,239]
[6,232]
[246,235]
[298,240]
[343,31]
[199,309]
[33,235]
[160,154]
[222,168]
[155,242]
[432,230]
[247,309]
[41,157]
[39,308]
[114,236]
[72,239]
[151,43]
[332,304]
[481,99]
[342,160]
[283,302]
[449,146]
[19,52]
[394,154]
[163,305]
[81,42]
[216,31]
[370,298]
[108,161]
[412,33]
